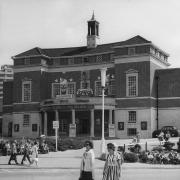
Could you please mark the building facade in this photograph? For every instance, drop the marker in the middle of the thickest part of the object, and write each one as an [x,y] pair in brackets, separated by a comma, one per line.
[64,84]
[6,74]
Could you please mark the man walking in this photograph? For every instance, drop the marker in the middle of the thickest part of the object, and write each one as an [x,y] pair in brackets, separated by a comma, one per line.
[13,153]
[26,152]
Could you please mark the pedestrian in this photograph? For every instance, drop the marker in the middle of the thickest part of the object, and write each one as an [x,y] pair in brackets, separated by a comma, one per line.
[26,152]
[161,137]
[13,154]
[138,136]
[87,163]
[167,136]
[34,155]
[112,167]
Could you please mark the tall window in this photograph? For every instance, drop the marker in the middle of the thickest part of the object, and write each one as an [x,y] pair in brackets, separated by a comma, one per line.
[71,88]
[26,120]
[59,90]
[111,87]
[98,89]
[132,117]
[132,84]
[26,91]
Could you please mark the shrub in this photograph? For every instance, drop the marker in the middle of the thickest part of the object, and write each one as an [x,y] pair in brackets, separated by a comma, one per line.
[65,144]
[168,145]
[143,157]
[157,148]
[136,148]
[130,157]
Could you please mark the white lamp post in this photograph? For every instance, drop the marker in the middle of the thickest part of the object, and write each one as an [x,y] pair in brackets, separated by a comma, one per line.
[103,81]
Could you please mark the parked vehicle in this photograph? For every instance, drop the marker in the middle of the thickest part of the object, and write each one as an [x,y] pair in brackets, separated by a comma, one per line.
[174,132]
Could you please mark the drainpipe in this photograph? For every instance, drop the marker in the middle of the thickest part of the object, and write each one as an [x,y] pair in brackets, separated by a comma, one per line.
[157,102]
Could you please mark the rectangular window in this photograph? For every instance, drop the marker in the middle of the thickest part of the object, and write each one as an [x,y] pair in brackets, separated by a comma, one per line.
[58,89]
[111,88]
[34,128]
[131,131]
[26,120]
[98,88]
[26,91]
[71,88]
[132,117]
[132,85]
[120,126]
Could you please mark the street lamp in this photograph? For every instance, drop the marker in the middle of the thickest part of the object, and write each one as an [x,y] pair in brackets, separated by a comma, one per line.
[103,81]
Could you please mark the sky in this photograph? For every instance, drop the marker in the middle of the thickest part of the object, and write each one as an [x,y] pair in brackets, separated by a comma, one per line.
[25,24]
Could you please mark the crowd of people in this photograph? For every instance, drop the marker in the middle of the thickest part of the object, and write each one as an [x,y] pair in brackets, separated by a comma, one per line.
[26,147]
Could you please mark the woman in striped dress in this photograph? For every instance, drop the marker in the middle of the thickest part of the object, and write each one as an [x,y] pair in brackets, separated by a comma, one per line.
[112,167]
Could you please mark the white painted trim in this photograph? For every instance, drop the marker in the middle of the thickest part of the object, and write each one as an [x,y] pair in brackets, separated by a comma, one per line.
[143,97]
[167,98]
[133,108]
[83,55]
[26,103]
[140,58]
[7,105]
[29,69]
[122,46]
[69,68]
[149,97]
[158,62]
[106,107]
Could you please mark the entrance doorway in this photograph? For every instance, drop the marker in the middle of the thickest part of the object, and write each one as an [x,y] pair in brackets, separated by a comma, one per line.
[83,123]
[10,124]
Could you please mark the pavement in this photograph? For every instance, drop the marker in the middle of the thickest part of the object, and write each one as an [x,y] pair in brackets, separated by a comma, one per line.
[71,159]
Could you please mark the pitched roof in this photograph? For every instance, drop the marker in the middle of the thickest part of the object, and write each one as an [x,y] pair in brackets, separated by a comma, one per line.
[71,51]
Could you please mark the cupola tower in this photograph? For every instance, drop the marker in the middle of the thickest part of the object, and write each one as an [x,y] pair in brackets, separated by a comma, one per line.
[93,32]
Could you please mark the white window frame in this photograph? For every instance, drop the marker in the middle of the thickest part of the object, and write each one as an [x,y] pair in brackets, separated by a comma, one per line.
[127,84]
[95,85]
[70,83]
[29,120]
[52,87]
[131,120]
[23,93]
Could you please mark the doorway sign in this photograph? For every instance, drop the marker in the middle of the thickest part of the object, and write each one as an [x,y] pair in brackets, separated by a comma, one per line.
[56,126]
[72,130]
[111,130]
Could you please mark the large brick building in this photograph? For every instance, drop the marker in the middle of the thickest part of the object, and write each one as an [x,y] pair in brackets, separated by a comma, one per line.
[64,84]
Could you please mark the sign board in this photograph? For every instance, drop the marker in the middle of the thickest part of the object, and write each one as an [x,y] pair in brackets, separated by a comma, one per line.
[111,130]
[55,124]
[72,130]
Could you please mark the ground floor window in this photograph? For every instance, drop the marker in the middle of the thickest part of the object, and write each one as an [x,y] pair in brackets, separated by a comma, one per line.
[131,131]
[26,120]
